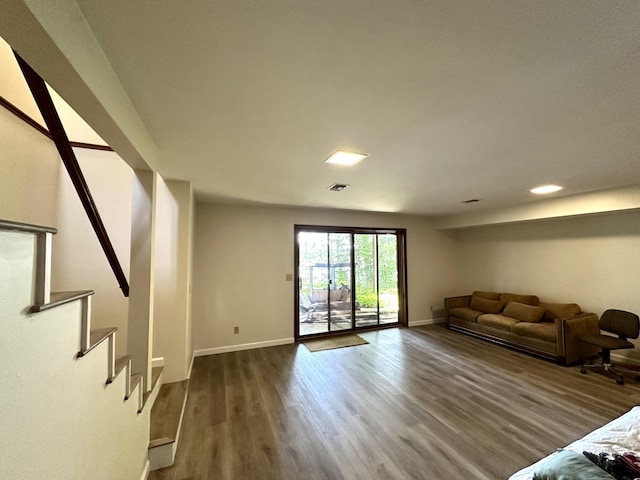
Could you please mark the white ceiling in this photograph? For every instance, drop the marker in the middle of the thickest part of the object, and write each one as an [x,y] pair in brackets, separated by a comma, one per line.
[453,100]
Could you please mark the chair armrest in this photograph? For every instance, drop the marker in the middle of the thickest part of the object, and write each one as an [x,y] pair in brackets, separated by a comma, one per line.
[572,349]
[455,302]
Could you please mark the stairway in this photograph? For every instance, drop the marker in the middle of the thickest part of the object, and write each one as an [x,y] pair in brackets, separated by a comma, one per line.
[68,407]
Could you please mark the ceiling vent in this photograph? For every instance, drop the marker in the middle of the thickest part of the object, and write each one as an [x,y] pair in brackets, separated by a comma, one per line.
[337,187]
[473,200]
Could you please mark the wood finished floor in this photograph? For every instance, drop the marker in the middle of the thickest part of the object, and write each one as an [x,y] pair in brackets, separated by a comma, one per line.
[419,403]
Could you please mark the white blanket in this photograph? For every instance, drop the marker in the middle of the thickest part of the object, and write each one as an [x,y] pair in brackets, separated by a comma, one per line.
[618,436]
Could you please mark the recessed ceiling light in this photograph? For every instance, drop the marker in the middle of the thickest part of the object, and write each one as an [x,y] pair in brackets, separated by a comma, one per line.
[342,157]
[337,187]
[545,189]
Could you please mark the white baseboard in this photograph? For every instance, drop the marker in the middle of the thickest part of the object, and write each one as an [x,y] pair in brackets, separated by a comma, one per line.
[244,346]
[429,321]
[157,362]
[145,471]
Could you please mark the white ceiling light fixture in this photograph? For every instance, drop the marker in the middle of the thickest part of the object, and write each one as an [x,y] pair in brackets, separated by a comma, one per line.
[343,157]
[543,189]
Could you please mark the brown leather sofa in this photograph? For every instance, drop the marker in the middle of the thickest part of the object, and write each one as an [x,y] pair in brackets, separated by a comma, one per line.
[525,323]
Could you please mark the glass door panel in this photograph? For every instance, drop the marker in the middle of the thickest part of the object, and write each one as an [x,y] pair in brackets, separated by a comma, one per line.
[340,311]
[365,251]
[313,281]
[388,278]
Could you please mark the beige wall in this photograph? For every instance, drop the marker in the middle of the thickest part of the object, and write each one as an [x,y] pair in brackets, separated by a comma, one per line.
[592,260]
[242,254]
[30,167]
[78,260]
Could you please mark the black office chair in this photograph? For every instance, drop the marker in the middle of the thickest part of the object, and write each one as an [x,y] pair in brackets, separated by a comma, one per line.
[625,325]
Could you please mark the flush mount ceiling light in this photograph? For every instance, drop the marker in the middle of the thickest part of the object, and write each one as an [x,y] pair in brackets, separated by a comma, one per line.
[337,187]
[541,190]
[342,157]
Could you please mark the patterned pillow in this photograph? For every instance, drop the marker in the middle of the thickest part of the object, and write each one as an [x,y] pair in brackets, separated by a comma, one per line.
[568,465]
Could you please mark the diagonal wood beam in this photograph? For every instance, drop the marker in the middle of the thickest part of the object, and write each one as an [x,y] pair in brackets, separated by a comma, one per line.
[50,115]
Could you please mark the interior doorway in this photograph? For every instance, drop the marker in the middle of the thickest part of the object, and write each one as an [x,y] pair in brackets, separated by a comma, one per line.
[348,279]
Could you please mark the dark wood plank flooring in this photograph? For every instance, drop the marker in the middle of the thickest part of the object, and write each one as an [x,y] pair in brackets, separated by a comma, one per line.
[420,403]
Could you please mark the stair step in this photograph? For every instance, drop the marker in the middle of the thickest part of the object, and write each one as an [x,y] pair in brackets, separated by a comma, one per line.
[155,376]
[96,337]
[136,382]
[60,298]
[166,414]
[121,363]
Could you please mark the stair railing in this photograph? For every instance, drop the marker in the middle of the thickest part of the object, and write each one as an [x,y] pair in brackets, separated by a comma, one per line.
[50,115]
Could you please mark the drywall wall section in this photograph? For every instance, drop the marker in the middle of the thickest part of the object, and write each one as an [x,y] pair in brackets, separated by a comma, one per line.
[172,296]
[57,417]
[243,253]
[593,261]
[30,168]
[78,260]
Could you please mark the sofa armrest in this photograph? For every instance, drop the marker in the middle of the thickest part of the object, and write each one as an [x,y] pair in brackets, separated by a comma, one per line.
[572,349]
[455,302]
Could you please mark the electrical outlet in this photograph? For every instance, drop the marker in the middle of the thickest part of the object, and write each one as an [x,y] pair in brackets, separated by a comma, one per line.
[236,330]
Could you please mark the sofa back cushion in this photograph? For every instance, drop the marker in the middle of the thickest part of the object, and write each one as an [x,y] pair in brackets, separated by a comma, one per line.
[487,295]
[559,310]
[485,305]
[523,312]
[526,299]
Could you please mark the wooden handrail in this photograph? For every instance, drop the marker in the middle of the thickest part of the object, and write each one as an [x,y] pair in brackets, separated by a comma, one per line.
[50,115]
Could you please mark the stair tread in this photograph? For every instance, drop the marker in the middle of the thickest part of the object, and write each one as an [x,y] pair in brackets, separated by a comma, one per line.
[167,412]
[60,298]
[96,337]
[155,376]
[120,363]
[136,378]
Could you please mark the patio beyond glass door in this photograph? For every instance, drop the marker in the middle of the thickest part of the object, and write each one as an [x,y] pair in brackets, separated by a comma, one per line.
[324,277]
[376,279]
[348,280]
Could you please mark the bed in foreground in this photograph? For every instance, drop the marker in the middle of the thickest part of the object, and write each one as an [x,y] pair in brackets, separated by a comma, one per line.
[618,436]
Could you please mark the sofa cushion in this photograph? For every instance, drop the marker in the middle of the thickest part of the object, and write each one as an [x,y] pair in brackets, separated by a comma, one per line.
[523,312]
[487,295]
[512,297]
[542,331]
[559,310]
[497,321]
[465,313]
[485,305]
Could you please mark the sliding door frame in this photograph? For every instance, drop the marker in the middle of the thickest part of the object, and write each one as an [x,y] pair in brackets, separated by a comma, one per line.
[401,254]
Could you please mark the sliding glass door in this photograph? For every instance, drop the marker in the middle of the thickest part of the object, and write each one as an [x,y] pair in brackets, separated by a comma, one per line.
[348,279]
[376,279]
